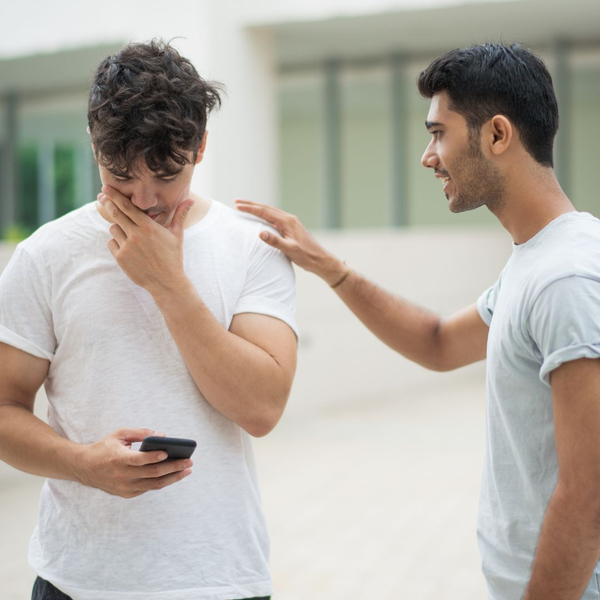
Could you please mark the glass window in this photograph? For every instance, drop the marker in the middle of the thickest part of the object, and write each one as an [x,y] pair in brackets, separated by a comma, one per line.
[366,147]
[55,171]
[585,131]
[301,153]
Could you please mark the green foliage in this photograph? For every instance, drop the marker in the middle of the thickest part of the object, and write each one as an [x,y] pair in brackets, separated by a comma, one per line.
[64,178]
[16,233]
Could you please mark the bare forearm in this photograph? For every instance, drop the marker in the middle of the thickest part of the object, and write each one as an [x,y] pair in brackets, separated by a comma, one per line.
[568,549]
[405,327]
[239,379]
[30,445]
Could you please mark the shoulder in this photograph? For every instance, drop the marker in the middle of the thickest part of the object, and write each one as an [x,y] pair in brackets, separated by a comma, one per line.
[570,252]
[238,230]
[62,235]
[243,223]
[573,247]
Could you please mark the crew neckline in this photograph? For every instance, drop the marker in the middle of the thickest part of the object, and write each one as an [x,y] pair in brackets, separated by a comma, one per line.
[546,229]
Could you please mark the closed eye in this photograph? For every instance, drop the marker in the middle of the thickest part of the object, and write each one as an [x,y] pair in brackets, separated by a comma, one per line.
[168,179]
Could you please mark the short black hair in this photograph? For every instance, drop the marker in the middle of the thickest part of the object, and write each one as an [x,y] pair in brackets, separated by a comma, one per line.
[490,79]
[148,104]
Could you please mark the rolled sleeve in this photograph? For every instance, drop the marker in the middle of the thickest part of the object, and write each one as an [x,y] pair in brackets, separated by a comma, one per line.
[484,307]
[565,322]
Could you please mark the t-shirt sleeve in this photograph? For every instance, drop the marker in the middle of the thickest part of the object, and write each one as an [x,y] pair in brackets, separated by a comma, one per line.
[487,303]
[25,313]
[270,286]
[565,322]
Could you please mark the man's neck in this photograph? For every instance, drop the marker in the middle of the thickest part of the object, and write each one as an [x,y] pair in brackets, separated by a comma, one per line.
[532,202]
[198,211]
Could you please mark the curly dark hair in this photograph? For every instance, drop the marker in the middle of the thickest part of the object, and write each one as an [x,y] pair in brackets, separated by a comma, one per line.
[489,79]
[148,104]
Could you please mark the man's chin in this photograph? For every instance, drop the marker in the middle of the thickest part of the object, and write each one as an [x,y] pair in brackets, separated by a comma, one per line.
[456,206]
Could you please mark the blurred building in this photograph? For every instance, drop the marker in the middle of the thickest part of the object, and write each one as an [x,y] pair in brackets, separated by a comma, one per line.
[322,118]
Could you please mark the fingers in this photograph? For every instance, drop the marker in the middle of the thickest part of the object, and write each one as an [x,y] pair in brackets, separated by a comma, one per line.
[115,212]
[275,241]
[118,234]
[124,208]
[161,482]
[140,459]
[130,435]
[270,214]
[160,469]
[178,223]
[113,247]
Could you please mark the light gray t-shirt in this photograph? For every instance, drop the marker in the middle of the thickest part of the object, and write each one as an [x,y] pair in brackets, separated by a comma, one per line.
[543,311]
[114,364]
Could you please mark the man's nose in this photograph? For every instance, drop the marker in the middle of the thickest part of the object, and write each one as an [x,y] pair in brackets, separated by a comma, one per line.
[429,159]
[144,198]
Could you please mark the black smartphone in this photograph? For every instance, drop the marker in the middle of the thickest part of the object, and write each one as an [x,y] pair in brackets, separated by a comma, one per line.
[174,447]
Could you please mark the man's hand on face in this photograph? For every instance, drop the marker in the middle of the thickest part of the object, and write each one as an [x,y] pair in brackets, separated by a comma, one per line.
[110,465]
[151,255]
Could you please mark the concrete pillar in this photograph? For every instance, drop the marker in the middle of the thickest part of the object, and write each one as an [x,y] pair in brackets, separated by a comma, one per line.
[241,158]
[46,191]
[332,145]
[399,142]
[9,170]
[563,87]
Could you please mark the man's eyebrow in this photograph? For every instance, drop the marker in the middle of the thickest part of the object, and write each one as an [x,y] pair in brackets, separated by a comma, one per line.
[430,124]
[168,173]
[120,174]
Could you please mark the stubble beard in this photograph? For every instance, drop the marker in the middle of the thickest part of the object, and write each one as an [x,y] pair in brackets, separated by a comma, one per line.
[480,181]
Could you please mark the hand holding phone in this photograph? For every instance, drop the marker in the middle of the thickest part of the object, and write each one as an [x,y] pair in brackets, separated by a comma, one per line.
[110,465]
[175,448]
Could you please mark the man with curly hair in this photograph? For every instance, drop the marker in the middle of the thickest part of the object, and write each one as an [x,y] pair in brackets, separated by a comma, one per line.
[153,311]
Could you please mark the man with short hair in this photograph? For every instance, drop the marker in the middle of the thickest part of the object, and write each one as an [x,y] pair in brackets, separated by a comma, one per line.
[154,311]
[493,118]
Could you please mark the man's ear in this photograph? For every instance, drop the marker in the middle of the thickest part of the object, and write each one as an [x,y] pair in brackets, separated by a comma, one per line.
[500,134]
[200,153]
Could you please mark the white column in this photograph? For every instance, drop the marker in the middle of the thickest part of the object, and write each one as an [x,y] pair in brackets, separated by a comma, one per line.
[242,142]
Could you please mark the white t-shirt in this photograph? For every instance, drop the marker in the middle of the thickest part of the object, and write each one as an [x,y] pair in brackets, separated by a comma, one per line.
[543,311]
[114,364]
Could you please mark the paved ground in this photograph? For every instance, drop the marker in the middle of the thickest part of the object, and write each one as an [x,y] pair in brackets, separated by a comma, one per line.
[370,498]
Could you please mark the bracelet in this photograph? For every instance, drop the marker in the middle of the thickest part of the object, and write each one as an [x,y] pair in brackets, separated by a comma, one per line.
[343,278]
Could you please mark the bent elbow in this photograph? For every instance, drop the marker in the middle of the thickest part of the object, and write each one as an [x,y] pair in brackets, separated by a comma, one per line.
[262,424]
[261,427]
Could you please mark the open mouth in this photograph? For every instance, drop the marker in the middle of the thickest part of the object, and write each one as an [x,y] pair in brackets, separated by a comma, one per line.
[445,181]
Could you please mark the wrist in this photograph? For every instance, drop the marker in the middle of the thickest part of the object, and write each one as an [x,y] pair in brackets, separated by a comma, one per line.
[164,291]
[333,270]
[77,459]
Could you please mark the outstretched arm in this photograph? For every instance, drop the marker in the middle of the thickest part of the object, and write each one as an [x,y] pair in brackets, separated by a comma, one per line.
[437,343]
